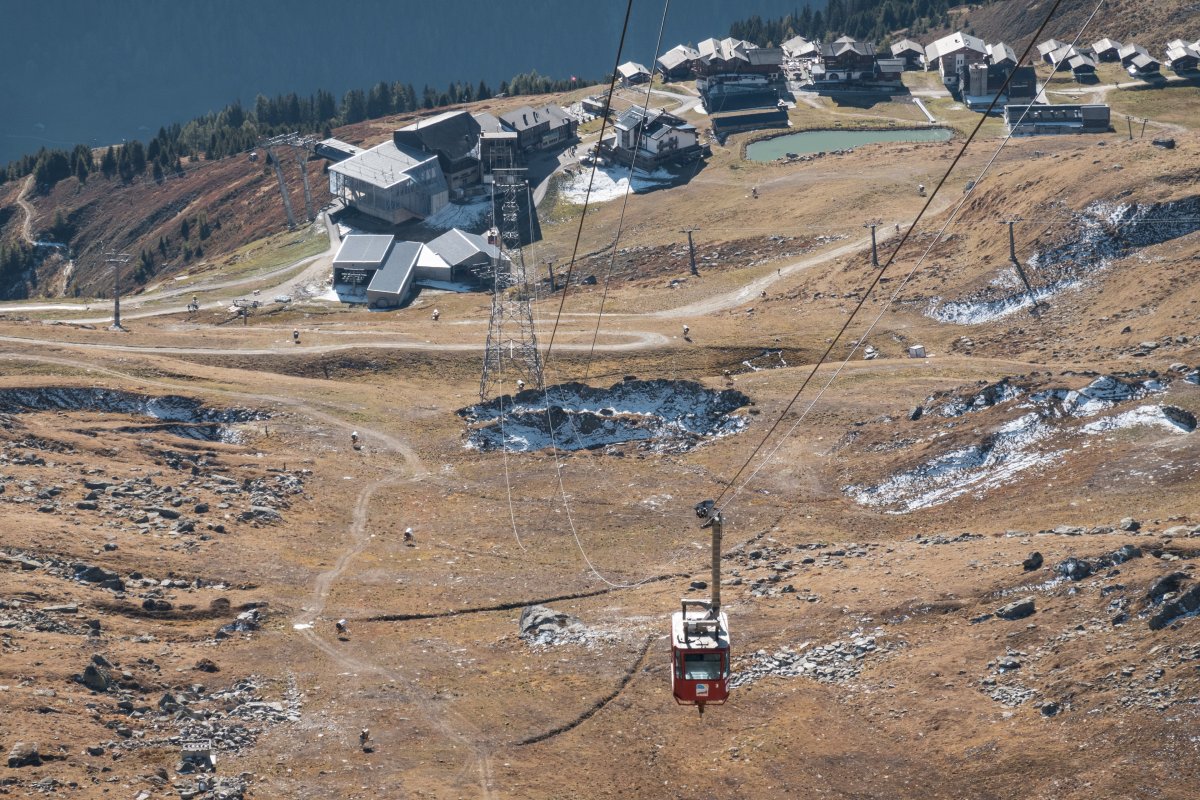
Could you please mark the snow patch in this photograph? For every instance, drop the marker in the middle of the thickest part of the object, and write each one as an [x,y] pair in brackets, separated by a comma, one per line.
[195,420]
[1168,417]
[466,216]
[611,183]
[1021,444]
[1105,232]
[662,415]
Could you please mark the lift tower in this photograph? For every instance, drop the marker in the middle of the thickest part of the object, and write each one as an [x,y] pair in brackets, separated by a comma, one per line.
[301,146]
[511,333]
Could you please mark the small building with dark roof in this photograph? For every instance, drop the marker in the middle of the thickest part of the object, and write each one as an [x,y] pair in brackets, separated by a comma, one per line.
[953,54]
[1048,47]
[632,72]
[1107,49]
[359,257]
[799,47]
[1082,66]
[650,138]
[912,52]
[540,128]
[1024,120]
[1182,58]
[676,63]
[390,285]
[468,255]
[1001,55]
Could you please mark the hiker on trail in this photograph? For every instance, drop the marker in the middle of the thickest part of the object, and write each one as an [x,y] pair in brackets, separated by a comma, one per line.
[520,385]
[342,628]
[364,736]
[408,535]
[921,189]
[436,314]
[296,336]
[764,294]
[353,437]
[686,331]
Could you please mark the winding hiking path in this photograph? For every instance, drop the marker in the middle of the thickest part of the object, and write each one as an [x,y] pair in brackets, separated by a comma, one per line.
[30,214]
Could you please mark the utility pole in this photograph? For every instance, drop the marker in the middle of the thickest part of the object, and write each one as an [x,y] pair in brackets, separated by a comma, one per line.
[1143,133]
[117,260]
[874,251]
[1012,257]
[1129,122]
[691,250]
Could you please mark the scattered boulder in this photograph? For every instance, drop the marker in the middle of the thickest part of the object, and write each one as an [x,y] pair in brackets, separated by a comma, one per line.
[1074,568]
[1165,585]
[1125,552]
[155,604]
[541,625]
[24,754]
[1018,609]
[94,574]
[98,676]
[1033,562]
[1129,524]
[206,665]
[1186,603]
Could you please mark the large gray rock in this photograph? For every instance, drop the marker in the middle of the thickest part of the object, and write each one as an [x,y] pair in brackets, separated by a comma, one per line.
[1033,562]
[1164,586]
[24,754]
[94,574]
[1017,610]
[541,624]
[1186,603]
[1129,524]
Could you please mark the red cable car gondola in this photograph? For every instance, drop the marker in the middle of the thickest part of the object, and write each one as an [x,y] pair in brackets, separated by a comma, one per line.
[700,635]
[699,655]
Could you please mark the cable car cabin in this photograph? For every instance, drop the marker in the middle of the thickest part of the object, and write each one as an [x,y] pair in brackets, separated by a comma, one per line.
[699,655]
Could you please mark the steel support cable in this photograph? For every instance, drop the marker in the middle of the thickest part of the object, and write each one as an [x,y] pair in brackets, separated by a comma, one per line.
[612,86]
[733,482]
[546,360]
[625,200]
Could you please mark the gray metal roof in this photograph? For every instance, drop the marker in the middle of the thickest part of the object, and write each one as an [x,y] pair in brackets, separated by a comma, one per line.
[907,46]
[456,246]
[676,56]
[488,123]
[1049,46]
[526,117]
[631,68]
[397,269]
[384,165]
[363,248]
[1104,44]
[1001,52]
[952,44]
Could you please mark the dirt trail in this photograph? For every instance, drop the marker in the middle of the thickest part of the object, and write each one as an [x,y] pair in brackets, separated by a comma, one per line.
[451,724]
[27,225]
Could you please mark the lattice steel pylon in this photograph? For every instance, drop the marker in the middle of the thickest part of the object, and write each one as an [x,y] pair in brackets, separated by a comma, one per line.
[511,354]
[301,146]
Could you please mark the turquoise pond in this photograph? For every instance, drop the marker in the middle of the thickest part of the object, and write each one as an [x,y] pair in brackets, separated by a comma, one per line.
[824,141]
